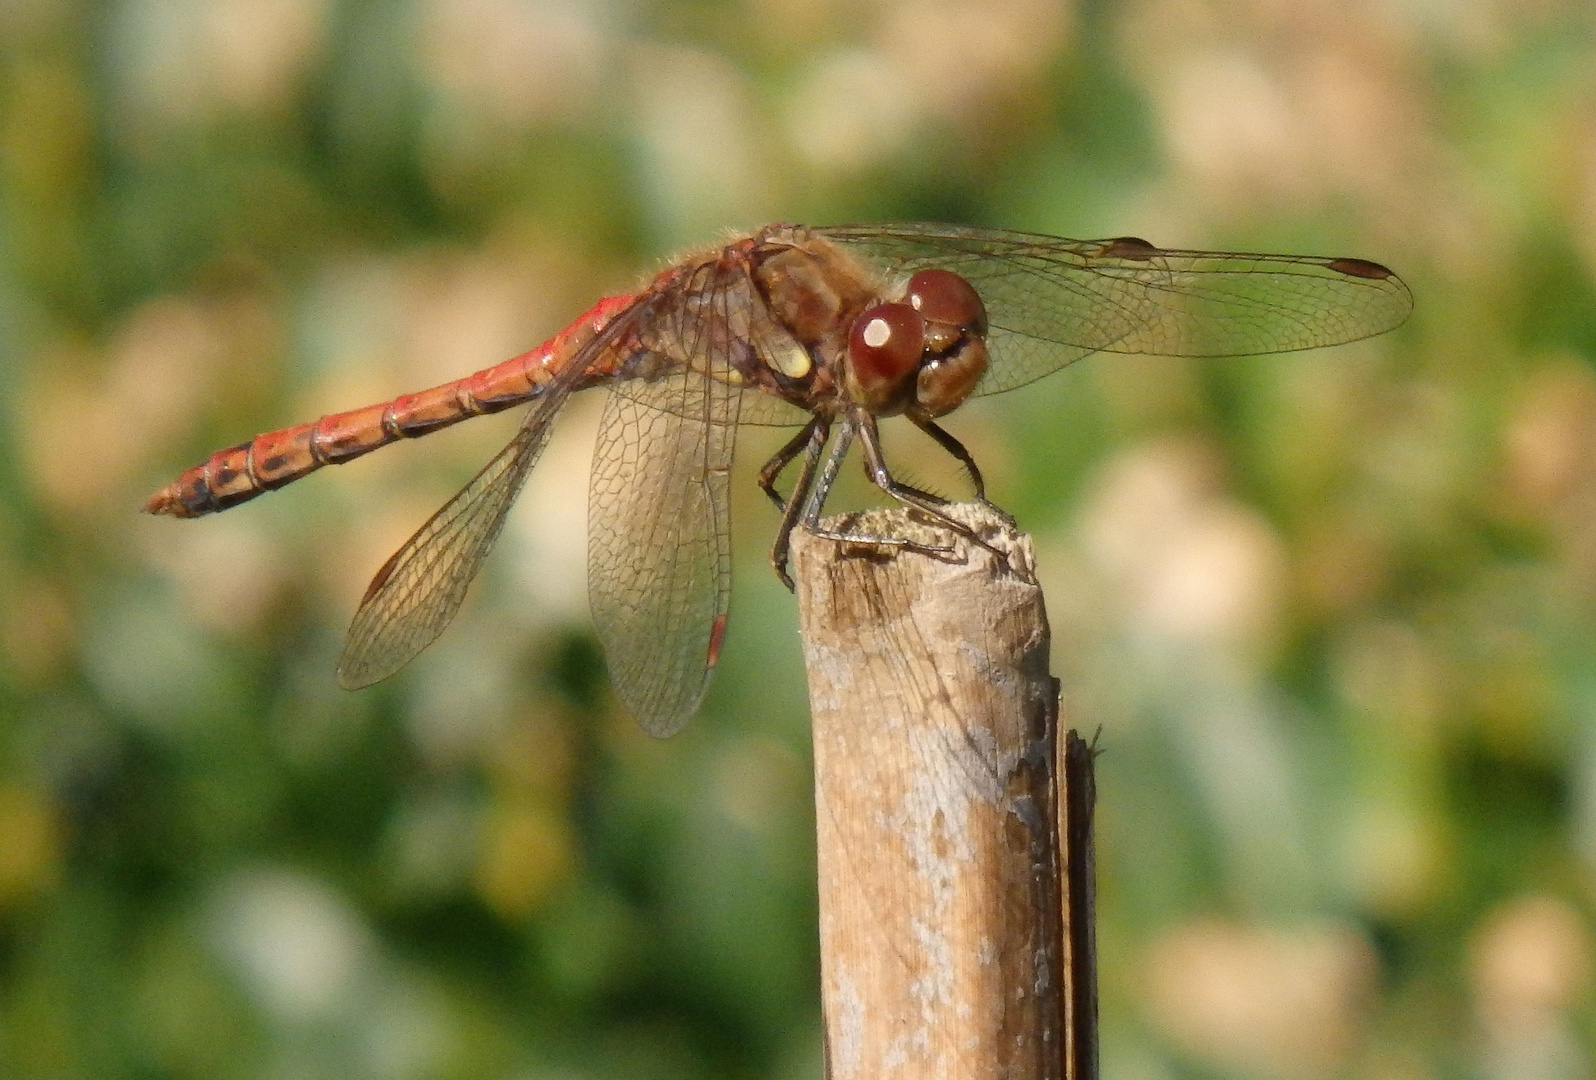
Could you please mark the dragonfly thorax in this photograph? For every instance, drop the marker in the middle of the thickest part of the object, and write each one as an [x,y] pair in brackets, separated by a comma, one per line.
[850,337]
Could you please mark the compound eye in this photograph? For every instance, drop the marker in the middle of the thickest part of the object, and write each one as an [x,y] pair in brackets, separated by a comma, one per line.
[885,345]
[942,296]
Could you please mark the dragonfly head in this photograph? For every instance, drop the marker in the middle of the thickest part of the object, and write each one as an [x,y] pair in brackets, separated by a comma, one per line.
[924,353]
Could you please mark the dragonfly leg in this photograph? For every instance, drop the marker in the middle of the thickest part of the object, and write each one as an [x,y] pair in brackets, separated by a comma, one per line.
[881,476]
[814,437]
[783,457]
[817,498]
[954,447]
[809,494]
[928,497]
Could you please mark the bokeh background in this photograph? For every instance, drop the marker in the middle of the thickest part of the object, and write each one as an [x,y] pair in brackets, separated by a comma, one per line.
[1334,612]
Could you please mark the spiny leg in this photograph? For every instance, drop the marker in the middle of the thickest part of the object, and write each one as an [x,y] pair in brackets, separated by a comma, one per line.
[930,497]
[817,499]
[876,466]
[954,447]
[813,438]
[773,468]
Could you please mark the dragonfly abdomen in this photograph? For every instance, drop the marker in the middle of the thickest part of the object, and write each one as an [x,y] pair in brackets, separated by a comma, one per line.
[239,473]
[267,462]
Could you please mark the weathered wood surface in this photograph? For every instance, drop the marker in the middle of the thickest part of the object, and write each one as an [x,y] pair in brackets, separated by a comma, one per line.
[937,789]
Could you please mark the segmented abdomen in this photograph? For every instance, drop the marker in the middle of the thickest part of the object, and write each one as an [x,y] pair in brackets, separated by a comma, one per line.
[239,473]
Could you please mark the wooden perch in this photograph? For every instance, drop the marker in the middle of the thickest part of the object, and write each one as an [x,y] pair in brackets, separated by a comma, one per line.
[942,794]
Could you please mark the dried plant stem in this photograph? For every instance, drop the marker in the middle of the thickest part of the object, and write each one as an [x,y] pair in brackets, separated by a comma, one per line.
[942,804]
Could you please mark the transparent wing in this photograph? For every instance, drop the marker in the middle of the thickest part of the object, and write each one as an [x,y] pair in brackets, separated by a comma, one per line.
[417,592]
[1051,301]
[659,542]
[708,314]
[761,409]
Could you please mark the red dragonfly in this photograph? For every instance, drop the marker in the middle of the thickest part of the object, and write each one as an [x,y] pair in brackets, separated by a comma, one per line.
[828,328]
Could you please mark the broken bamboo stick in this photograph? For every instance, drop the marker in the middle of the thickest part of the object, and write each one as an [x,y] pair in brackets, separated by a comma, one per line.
[944,801]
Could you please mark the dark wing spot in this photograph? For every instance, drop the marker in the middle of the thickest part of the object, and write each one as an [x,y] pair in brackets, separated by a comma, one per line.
[717,636]
[1128,247]
[1362,268]
[382,576]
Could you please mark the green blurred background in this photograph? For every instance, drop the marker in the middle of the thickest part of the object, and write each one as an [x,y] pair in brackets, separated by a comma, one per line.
[1334,612]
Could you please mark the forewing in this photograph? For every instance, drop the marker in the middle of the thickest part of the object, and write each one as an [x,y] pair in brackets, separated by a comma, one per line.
[417,592]
[1051,301]
[659,542]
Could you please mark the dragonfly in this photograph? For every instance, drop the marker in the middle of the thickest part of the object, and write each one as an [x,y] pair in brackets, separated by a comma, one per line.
[829,329]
